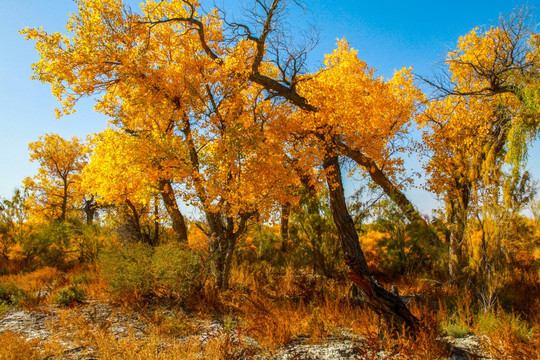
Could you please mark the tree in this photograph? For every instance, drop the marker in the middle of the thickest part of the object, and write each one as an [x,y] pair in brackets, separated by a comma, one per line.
[13,214]
[55,189]
[192,121]
[484,119]
[234,109]
[120,174]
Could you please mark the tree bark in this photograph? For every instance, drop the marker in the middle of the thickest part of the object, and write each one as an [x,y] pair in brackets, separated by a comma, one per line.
[380,178]
[224,234]
[383,302]
[64,199]
[458,218]
[90,207]
[135,221]
[316,220]
[177,219]
[156,221]
[284,229]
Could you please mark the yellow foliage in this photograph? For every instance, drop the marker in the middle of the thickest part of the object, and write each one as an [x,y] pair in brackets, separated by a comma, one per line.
[55,189]
[372,248]
[197,239]
[15,253]
[363,111]
[46,275]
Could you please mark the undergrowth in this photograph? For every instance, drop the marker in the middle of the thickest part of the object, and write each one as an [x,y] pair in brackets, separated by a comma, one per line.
[265,310]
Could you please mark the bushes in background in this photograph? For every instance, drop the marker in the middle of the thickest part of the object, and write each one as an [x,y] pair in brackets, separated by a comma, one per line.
[140,270]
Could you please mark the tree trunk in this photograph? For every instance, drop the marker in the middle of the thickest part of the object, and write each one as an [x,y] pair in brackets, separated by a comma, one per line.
[64,200]
[135,220]
[455,254]
[155,238]
[284,230]
[90,208]
[226,264]
[223,235]
[380,178]
[383,302]
[316,220]
[458,217]
[177,219]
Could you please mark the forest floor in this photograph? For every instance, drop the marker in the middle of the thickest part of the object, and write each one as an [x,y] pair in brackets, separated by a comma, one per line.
[97,329]
[264,315]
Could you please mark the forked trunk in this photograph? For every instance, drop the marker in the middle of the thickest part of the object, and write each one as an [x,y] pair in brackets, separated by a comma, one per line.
[224,233]
[386,304]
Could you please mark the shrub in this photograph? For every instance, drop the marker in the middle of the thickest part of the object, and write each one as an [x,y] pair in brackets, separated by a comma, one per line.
[177,269]
[50,244]
[4,307]
[10,294]
[494,322]
[456,328]
[90,243]
[128,269]
[69,295]
[138,269]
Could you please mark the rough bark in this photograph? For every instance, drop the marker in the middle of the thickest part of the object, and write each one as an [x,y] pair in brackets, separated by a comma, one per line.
[390,189]
[135,220]
[385,303]
[90,208]
[177,219]
[457,217]
[284,229]
[224,234]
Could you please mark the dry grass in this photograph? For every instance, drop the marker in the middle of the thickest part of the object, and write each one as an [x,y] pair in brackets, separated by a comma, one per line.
[274,308]
[508,336]
[16,347]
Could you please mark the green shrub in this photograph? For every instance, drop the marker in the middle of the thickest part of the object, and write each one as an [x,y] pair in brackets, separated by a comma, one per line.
[456,329]
[10,294]
[492,322]
[82,279]
[49,244]
[128,269]
[90,243]
[69,295]
[177,269]
[4,307]
[139,269]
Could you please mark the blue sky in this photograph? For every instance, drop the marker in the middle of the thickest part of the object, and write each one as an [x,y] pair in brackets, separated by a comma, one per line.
[387,34]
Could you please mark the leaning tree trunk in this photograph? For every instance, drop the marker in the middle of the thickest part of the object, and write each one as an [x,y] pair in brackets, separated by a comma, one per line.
[383,302]
[177,219]
[135,221]
[390,189]
[284,229]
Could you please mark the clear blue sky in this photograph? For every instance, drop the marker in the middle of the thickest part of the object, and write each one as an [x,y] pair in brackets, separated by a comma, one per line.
[387,34]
